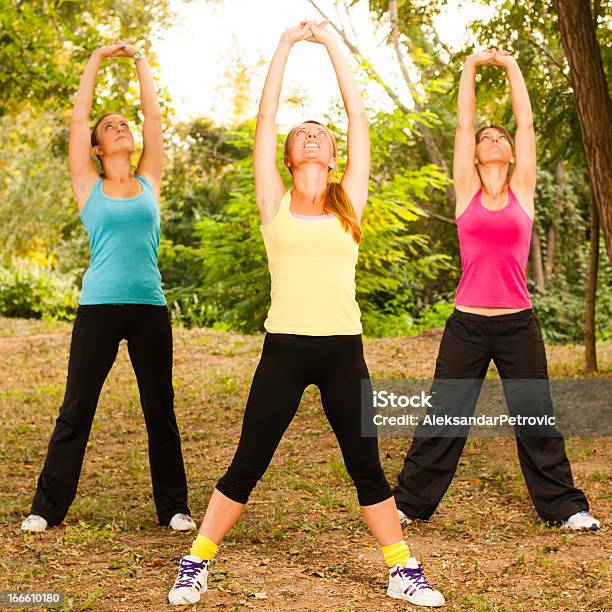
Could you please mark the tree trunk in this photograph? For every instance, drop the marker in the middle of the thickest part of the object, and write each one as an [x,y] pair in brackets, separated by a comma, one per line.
[592,102]
[537,269]
[551,243]
[551,232]
[590,352]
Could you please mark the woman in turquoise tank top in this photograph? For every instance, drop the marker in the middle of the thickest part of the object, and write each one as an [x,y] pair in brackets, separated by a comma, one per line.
[121,298]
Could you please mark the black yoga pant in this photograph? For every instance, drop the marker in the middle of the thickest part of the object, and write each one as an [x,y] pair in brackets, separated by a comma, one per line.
[289,363]
[96,335]
[514,342]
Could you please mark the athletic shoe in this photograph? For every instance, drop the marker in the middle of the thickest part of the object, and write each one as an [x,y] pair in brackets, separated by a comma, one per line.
[190,582]
[403,519]
[408,583]
[581,521]
[182,522]
[34,523]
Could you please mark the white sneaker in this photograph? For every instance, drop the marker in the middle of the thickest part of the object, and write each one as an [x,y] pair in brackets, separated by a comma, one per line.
[182,522]
[581,521]
[403,519]
[190,582]
[408,583]
[34,523]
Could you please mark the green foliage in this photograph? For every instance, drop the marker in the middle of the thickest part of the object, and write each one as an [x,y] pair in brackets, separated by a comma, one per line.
[36,203]
[395,262]
[433,315]
[31,291]
[214,266]
[430,316]
[212,256]
[219,275]
[45,45]
[529,30]
[561,309]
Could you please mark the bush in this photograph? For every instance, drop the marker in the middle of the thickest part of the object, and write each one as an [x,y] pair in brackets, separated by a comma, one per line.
[561,310]
[433,315]
[32,291]
[561,315]
[188,310]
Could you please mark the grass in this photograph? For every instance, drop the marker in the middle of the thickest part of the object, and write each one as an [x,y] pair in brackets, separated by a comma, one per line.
[301,543]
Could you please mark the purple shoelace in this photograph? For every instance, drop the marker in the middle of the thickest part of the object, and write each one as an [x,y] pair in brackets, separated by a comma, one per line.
[187,572]
[415,574]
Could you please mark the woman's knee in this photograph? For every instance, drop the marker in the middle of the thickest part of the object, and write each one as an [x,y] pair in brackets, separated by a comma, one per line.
[239,480]
[370,482]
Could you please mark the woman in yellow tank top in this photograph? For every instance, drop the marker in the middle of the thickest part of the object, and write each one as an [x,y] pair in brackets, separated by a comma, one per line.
[312,234]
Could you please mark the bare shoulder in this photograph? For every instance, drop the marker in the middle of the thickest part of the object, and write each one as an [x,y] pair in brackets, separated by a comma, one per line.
[526,199]
[270,205]
[83,189]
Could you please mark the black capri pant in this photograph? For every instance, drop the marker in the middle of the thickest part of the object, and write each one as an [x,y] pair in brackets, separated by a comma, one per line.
[289,363]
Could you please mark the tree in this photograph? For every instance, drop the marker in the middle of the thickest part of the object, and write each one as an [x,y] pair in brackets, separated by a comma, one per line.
[219,276]
[577,27]
[45,45]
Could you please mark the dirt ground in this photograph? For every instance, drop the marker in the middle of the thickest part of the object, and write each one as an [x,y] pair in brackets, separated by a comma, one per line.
[300,544]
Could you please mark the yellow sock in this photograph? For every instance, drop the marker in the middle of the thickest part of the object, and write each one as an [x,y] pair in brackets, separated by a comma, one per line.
[204,548]
[396,554]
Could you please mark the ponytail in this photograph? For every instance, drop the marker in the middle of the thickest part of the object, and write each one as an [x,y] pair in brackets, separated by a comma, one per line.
[338,203]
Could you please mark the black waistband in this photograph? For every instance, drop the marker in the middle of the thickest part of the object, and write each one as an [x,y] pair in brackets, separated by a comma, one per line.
[315,339]
[511,316]
[114,307]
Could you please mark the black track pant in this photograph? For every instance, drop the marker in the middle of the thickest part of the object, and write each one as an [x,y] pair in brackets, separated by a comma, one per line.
[469,342]
[96,335]
[289,363]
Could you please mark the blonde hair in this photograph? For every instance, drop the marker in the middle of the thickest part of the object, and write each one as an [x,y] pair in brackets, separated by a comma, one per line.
[336,200]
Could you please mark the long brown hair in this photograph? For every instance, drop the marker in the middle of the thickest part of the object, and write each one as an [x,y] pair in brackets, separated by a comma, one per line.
[336,200]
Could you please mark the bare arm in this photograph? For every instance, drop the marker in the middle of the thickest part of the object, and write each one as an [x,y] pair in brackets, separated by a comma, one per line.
[523,181]
[465,176]
[83,172]
[151,161]
[356,175]
[269,187]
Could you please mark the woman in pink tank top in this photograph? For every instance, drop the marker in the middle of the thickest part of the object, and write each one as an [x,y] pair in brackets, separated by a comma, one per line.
[493,318]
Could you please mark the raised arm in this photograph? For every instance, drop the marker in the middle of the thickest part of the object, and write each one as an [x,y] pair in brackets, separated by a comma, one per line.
[83,172]
[269,187]
[356,175]
[523,180]
[151,160]
[465,176]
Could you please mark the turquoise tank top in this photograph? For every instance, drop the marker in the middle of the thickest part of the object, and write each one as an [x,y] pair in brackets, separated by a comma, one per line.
[123,238]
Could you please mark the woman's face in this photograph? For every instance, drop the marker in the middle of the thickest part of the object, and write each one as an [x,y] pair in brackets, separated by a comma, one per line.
[113,136]
[310,143]
[493,146]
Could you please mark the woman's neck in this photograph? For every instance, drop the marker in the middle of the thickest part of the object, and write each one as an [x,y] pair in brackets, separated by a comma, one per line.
[309,187]
[494,179]
[117,169]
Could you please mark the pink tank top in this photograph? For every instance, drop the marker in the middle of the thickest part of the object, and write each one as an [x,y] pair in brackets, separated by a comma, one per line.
[494,251]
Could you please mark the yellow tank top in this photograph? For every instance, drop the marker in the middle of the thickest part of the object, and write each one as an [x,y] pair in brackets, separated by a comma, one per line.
[312,267]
